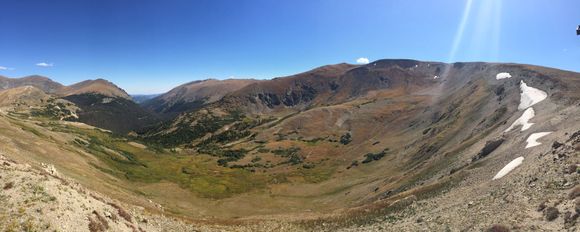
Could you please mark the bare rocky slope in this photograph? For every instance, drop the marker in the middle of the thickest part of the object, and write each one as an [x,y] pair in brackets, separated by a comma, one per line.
[395,145]
[39,198]
[25,96]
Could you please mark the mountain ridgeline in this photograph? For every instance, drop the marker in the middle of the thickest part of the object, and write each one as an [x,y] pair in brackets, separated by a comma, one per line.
[102,103]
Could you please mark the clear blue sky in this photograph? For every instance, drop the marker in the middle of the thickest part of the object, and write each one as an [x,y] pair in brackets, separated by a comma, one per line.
[148,46]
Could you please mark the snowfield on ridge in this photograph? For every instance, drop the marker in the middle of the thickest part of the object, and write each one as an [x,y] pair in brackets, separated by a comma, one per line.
[530,96]
[502,75]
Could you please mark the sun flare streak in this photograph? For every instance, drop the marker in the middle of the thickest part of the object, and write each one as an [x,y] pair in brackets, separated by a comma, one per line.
[458,35]
[460,30]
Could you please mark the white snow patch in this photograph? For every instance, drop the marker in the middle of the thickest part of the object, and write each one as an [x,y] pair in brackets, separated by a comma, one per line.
[533,139]
[502,75]
[435,77]
[509,167]
[523,120]
[530,96]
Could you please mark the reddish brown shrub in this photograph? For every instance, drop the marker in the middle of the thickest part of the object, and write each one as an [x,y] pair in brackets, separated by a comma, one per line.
[124,214]
[101,219]
[551,213]
[95,226]
[575,193]
[498,228]
[8,185]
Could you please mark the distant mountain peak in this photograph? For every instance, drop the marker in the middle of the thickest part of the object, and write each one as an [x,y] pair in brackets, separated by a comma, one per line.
[98,86]
[37,77]
[41,82]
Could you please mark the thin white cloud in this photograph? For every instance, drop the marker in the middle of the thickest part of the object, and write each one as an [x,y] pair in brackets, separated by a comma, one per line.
[5,68]
[362,60]
[43,64]
[236,77]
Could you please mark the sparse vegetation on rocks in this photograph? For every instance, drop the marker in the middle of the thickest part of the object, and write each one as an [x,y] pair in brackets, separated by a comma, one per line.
[489,147]
[498,228]
[353,164]
[95,225]
[292,153]
[370,157]
[101,219]
[551,213]
[346,138]
[122,213]
[574,193]
[8,185]
[542,206]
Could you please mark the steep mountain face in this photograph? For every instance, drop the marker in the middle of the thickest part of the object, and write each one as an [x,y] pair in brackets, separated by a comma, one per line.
[116,114]
[331,85]
[40,82]
[193,95]
[321,85]
[98,86]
